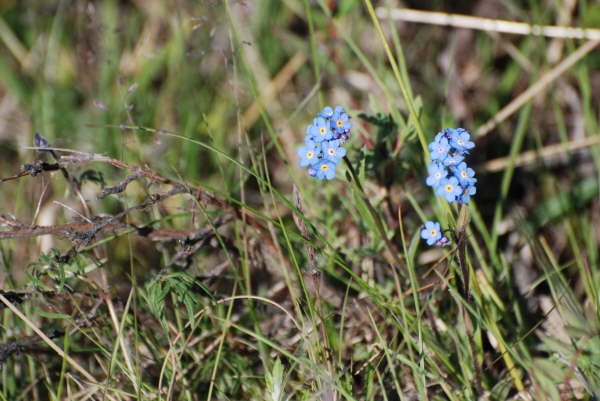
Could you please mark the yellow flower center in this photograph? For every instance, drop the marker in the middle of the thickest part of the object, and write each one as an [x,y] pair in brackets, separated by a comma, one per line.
[463,174]
[460,142]
[309,155]
[324,167]
[433,233]
[323,131]
[331,151]
[449,188]
[339,123]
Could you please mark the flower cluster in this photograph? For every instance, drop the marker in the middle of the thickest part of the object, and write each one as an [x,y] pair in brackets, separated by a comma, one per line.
[322,149]
[449,175]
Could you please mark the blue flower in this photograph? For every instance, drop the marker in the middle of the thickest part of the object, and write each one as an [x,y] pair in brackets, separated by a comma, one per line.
[325,169]
[320,131]
[309,154]
[340,121]
[461,140]
[439,149]
[449,189]
[443,241]
[436,173]
[339,109]
[308,136]
[322,149]
[446,133]
[332,151]
[448,174]
[327,112]
[453,159]
[466,193]
[465,175]
[431,233]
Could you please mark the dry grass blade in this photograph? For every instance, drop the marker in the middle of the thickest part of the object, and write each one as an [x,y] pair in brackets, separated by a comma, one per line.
[487,24]
[530,156]
[536,88]
[274,87]
[493,25]
[11,41]
[312,260]
[47,340]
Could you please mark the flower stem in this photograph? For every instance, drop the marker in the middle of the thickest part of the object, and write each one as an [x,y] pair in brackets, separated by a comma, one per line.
[464,291]
[379,224]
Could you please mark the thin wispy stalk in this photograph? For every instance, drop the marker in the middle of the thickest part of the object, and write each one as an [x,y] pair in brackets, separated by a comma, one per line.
[486,24]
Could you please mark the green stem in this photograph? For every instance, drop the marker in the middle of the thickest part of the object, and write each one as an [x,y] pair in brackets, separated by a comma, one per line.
[376,218]
[403,85]
[464,291]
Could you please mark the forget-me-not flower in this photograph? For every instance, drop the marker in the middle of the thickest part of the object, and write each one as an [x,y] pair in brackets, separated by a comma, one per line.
[309,154]
[332,151]
[325,169]
[431,233]
[446,133]
[327,112]
[436,173]
[320,131]
[449,189]
[439,149]
[443,241]
[461,140]
[465,175]
[449,175]
[466,193]
[322,149]
[340,121]
[453,159]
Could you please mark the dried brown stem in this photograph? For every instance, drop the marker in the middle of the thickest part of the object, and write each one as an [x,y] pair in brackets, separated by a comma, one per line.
[25,344]
[120,187]
[79,228]
[83,233]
